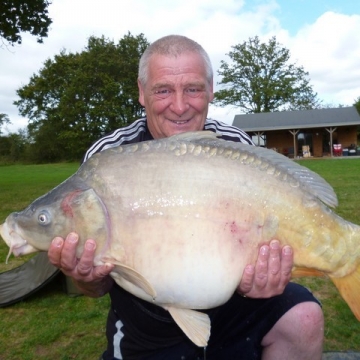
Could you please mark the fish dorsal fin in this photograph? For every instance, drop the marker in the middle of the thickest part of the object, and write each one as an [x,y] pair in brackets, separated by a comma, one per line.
[309,180]
[195,324]
[123,272]
[266,159]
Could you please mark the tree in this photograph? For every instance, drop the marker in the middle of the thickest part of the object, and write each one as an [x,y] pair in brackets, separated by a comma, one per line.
[13,146]
[77,98]
[261,79]
[357,104]
[18,16]
[4,119]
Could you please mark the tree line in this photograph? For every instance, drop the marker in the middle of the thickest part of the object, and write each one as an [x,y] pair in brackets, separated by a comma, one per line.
[75,98]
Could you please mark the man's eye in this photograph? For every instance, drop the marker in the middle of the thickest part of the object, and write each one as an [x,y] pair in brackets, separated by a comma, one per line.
[162,93]
[193,92]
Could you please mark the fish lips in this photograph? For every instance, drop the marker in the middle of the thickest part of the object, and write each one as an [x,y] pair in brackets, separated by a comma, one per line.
[17,244]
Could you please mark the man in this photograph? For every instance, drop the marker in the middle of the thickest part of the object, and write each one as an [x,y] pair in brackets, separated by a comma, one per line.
[268,318]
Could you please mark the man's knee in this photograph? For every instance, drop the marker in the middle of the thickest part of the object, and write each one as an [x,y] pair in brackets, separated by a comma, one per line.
[310,318]
[302,325]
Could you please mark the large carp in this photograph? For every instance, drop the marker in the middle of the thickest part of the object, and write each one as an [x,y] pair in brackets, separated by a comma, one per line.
[180,218]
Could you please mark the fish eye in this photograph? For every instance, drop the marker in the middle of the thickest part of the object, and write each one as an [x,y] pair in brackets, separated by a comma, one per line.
[44,217]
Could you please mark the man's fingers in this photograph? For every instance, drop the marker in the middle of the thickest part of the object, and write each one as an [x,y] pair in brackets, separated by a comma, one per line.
[86,262]
[271,273]
[68,259]
[287,261]
[93,280]
[54,252]
[102,271]
[261,268]
[247,280]
[274,258]
[274,266]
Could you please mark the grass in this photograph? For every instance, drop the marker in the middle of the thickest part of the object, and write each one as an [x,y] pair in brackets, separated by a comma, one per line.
[49,324]
[52,325]
[342,330]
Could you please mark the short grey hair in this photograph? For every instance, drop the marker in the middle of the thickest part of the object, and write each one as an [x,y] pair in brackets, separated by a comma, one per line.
[173,45]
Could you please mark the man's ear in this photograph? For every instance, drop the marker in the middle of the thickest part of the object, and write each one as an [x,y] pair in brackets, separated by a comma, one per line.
[141,93]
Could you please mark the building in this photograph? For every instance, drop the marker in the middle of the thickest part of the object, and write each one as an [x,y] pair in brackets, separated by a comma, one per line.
[305,132]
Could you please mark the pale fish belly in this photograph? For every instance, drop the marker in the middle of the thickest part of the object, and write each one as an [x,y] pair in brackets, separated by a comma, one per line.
[191,244]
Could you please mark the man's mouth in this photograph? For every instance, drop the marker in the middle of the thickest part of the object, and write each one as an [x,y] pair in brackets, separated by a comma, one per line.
[179,122]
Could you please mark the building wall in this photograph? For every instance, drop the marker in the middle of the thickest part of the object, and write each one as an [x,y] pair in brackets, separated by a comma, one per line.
[283,141]
[318,143]
[346,136]
[280,140]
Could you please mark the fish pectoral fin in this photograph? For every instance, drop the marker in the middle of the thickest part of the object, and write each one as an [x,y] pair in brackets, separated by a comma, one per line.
[195,324]
[305,272]
[132,276]
[349,288]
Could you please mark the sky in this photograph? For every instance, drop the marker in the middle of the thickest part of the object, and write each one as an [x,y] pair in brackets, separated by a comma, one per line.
[321,35]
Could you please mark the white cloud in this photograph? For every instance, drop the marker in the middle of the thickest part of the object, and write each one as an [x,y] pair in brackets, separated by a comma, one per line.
[329,50]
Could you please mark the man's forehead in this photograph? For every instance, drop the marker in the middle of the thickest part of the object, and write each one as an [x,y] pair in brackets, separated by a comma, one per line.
[174,70]
[187,62]
[179,70]
[177,75]
[180,83]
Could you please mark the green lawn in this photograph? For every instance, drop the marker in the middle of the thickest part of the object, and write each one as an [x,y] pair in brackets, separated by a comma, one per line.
[52,325]
[49,324]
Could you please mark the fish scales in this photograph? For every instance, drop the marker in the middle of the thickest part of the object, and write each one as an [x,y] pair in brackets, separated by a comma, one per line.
[181,217]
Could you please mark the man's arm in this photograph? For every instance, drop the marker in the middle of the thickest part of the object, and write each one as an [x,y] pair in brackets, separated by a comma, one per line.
[93,281]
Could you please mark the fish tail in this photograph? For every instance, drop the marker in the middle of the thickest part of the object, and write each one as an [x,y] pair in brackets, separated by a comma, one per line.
[349,288]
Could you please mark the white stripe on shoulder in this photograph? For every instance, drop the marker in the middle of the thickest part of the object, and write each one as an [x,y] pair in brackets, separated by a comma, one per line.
[117,137]
[228,130]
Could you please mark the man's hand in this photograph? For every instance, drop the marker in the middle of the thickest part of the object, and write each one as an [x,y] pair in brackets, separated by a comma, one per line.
[271,273]
[92,280]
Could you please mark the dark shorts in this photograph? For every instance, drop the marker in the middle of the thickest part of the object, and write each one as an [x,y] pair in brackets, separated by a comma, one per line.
[237,329]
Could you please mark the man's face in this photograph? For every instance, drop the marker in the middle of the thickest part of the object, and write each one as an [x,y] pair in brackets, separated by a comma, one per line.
[177,94]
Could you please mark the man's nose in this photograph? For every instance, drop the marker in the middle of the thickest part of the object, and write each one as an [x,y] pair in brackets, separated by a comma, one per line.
[179,103]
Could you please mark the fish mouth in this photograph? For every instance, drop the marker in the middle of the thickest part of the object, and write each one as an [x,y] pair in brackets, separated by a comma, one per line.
[16,243]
